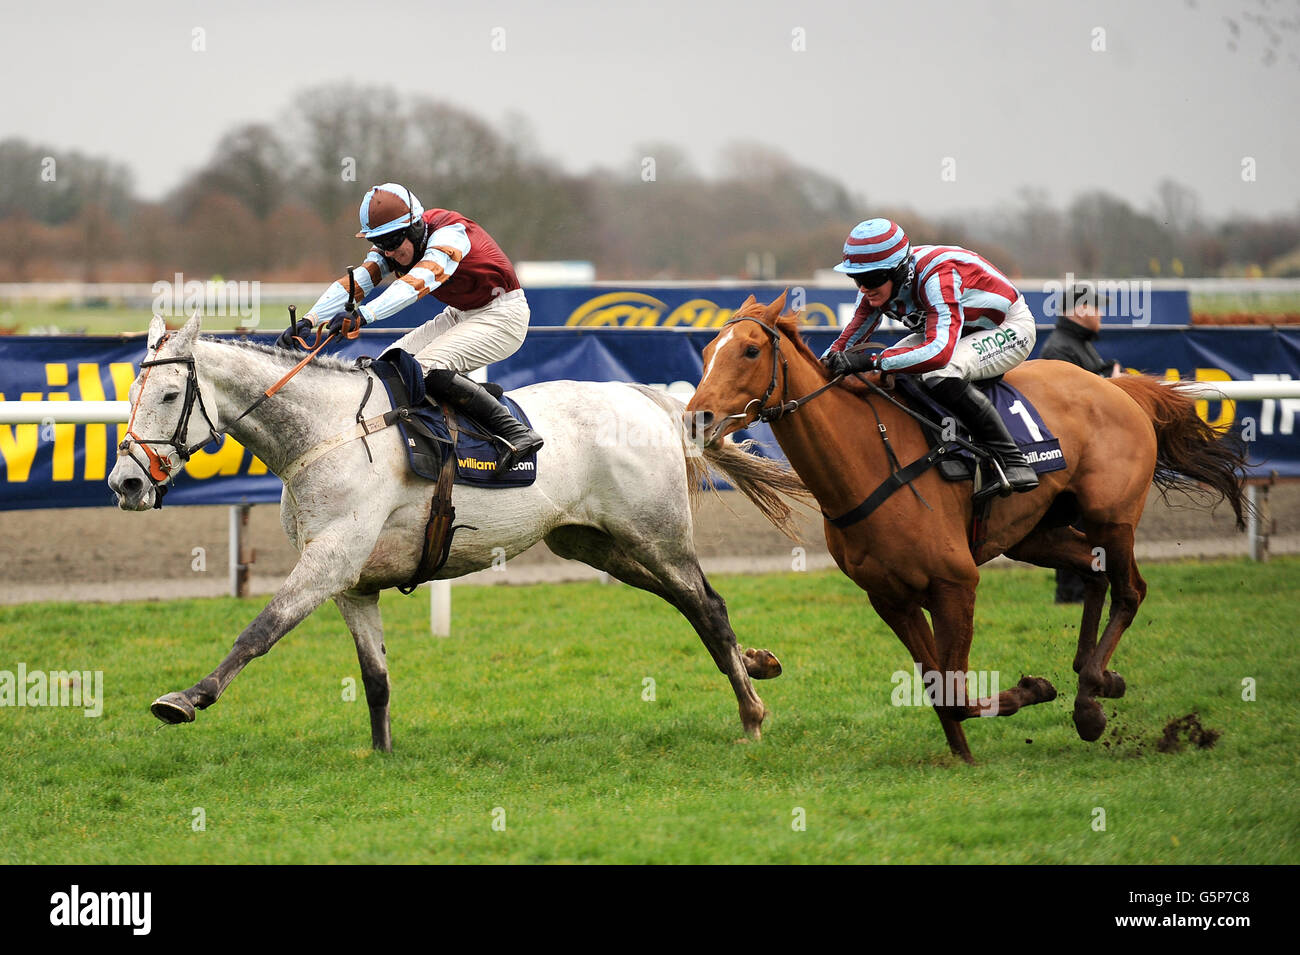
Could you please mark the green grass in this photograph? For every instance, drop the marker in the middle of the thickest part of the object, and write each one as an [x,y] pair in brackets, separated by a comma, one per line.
[1248,303]
[534,706]
[29,318]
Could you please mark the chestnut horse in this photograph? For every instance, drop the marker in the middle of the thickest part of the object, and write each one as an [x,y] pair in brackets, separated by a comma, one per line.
[1117,435]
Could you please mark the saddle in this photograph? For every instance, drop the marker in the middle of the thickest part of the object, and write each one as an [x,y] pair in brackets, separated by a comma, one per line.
[426,433]
[1041,448]
[954,461]
[445,446]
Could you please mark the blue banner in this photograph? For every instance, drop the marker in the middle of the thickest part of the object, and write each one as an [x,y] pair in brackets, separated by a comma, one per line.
[64,465]
[1130,303]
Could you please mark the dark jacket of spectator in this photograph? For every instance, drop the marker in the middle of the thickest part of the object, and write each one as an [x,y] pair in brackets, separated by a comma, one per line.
[1071,342]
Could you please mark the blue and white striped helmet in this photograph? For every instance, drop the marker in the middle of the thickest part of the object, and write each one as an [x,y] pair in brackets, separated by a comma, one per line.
[875,245]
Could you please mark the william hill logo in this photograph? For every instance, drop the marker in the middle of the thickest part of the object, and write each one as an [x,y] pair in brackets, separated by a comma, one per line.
[638,310]
[474,464]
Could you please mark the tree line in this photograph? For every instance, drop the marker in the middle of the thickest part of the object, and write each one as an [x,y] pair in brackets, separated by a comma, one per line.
[278,202]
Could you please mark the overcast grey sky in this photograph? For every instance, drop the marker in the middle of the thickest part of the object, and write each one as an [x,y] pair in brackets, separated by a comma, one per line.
[879,97]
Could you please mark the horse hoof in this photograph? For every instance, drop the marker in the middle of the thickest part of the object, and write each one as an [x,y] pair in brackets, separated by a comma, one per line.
[1112,685]
[173,708]
[1039,688]
[1089,720]
[762,664]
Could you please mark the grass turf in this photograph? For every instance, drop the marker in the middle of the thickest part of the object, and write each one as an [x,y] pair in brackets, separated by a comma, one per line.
[532,717]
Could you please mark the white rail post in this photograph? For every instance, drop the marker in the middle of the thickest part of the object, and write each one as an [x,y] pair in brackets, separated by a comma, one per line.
[440,607]
[440,590]
[239,558]
[1258,522]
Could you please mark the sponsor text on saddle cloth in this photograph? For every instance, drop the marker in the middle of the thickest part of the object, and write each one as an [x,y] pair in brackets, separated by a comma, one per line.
[1041,448]
[476,453]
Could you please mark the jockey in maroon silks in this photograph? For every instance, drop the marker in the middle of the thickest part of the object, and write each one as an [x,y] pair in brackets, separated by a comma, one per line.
[441,253]
[967,323]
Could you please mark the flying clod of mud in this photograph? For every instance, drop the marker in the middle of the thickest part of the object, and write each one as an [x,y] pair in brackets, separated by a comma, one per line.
[1186,729]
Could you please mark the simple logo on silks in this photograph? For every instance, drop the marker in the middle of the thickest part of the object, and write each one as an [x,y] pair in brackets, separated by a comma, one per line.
[638,310]
[134,909]
[1004,336]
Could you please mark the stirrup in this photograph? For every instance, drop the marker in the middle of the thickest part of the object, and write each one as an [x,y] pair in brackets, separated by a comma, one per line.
[1000,487]
[514,454]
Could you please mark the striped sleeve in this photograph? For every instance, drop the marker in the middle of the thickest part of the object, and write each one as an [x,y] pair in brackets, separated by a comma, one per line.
[444,252]
[861,312]
[941,300]
[367,275]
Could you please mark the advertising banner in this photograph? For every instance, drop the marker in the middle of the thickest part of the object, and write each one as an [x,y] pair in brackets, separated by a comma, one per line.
[66,465]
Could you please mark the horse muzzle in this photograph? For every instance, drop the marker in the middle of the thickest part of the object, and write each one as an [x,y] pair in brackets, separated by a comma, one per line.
[134,491]
[705,429]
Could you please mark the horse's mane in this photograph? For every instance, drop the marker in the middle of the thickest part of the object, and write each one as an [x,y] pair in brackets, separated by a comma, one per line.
[285,357]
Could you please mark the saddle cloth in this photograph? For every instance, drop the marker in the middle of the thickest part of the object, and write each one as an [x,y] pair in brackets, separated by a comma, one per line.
[1041,449]
[427,438]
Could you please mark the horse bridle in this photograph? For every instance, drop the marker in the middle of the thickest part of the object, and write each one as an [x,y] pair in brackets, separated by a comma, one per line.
[780,366]
[159,467]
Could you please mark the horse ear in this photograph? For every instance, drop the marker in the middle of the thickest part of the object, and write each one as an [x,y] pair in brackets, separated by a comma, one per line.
[746,303]
[157,329]
[773,311]
[184,338]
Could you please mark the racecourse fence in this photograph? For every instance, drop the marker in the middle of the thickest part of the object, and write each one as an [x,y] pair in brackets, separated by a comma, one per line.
[61,396]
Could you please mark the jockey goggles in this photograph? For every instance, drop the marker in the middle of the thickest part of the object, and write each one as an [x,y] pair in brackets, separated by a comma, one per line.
[873,279]
[389,241]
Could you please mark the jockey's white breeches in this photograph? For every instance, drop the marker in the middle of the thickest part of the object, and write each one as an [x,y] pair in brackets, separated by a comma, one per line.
[466,339]
[989,351]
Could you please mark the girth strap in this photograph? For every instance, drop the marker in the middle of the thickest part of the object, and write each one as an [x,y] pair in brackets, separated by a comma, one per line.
[888,487]
[358,430]
[441,527]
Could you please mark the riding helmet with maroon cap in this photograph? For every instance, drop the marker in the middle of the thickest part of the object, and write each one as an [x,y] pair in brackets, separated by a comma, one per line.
[389,207]
[876,245]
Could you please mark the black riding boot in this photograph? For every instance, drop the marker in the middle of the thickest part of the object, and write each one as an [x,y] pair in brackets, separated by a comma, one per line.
[988,429]
[467,395]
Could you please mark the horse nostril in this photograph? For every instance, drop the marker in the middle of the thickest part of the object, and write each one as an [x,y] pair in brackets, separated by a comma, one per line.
[132,486]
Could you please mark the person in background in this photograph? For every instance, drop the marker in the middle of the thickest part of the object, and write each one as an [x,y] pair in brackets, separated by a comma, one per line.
[1077,328]
[1072,340]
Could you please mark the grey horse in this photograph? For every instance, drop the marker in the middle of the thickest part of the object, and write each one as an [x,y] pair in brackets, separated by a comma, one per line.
[615,488]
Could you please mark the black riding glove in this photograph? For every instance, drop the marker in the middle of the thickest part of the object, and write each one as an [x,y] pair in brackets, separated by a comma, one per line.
[346,325]
[300,328]
[847,363]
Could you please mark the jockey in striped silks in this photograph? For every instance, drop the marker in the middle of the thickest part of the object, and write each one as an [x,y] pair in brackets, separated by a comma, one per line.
[967,322]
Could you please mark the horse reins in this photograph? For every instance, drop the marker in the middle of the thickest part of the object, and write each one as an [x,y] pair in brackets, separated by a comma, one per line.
[768,415]
[899,476]
[159,468]
[779,365]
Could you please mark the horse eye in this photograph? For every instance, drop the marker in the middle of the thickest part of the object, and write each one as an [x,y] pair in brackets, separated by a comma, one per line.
[171,396]
[751,351]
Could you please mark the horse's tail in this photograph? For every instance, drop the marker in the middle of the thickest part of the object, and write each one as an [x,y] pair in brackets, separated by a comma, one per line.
[762,480]
[1190,455]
